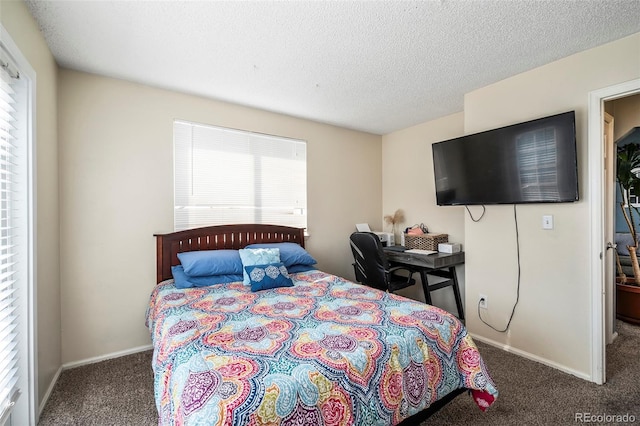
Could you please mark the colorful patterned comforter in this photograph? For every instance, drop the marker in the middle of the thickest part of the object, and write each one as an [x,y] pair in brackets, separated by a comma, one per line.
[323,352]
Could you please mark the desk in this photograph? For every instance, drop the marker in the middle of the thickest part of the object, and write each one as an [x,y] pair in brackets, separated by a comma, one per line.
[438,264]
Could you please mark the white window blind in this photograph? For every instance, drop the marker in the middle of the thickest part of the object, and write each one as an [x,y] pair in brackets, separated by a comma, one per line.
[13,199]
[227,176]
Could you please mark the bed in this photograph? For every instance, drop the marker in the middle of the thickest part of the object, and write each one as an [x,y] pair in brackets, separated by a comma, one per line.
[325,351]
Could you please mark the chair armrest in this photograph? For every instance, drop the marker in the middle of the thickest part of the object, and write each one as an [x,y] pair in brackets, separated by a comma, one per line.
[391,272]
[400,268]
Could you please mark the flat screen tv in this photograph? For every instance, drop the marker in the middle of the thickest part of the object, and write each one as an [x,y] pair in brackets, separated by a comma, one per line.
[531,162]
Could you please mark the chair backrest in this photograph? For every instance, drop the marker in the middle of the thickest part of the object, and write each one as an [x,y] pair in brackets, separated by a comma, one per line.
[371,264]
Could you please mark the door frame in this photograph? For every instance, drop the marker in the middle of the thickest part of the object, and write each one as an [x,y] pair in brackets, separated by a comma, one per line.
[597,196]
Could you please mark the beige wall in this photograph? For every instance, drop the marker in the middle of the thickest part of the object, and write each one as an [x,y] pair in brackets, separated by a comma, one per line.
[552,320]
[626,114]
[116,162]
[17,20]
[407,184]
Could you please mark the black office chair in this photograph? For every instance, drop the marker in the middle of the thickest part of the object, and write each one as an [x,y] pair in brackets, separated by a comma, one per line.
[372,267]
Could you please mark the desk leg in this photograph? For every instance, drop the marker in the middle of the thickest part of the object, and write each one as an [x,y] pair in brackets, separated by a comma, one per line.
[425,286]
[456,292]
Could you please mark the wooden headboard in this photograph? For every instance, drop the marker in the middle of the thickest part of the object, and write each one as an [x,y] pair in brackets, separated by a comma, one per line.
[216,238]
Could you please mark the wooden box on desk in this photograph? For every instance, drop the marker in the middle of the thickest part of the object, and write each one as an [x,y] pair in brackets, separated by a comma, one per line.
[425,241]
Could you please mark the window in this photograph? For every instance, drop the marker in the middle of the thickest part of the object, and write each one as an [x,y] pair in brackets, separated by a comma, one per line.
[634,197]
[537,164]
[227,176]
[17,357]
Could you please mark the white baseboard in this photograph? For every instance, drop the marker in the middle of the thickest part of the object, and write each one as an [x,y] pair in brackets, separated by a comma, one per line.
[532,357]
[74,364]
[47,394]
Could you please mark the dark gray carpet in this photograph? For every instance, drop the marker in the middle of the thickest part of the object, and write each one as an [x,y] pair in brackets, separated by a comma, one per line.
[120,391]
[534,394]
[114,392]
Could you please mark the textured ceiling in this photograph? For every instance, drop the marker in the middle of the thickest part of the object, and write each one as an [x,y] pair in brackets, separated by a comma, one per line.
[372,66]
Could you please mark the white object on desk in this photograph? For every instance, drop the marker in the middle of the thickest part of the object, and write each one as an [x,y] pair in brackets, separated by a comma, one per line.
[420,251]
[449,248]
[386,238]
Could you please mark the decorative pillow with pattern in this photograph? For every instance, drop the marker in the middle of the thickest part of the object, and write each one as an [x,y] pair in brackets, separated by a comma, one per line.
[272,275]
[257,256]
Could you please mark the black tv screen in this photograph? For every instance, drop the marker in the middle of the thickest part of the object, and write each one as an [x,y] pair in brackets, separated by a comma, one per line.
[531,162]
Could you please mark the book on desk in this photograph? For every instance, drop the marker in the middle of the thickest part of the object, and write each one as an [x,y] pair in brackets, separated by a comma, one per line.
[420,251]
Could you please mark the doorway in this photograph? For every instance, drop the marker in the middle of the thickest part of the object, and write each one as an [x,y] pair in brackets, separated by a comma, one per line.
[621,129]
[601,226]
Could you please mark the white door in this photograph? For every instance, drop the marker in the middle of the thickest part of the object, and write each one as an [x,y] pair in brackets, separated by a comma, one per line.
[609,224]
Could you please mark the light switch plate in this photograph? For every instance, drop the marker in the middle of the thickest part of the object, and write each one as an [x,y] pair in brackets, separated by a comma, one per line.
[547,221]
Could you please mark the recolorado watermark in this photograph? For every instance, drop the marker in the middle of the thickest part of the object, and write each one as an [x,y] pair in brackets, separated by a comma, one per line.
[604,418]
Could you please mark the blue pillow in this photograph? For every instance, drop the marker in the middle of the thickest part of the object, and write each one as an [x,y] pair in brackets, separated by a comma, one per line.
[300,268]
[623,240]
[263,277]
[257,256]
[182,280]
[290,253]
[210,262]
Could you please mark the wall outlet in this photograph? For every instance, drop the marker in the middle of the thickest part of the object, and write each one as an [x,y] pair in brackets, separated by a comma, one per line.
[483,301]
